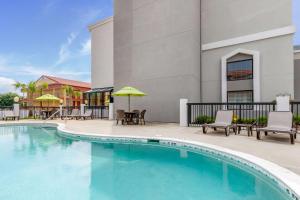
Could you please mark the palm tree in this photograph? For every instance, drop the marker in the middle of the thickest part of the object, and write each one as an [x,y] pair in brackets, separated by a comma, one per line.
[22,86]
[23,89]
[17,85]
[43,87]
[31,89]
[77,95]
[69,93]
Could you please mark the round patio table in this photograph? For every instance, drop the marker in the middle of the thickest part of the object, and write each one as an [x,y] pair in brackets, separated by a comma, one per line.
[129,116]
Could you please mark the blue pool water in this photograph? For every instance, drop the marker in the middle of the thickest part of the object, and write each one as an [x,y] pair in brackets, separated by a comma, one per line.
[35,163]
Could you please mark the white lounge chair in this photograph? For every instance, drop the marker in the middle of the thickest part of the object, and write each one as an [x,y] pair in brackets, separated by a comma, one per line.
[74,114]
[223,120]
[279,122]
[87,114]
[9,114]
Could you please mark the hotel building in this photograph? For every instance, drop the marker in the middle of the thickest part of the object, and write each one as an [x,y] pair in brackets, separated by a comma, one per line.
[202,50]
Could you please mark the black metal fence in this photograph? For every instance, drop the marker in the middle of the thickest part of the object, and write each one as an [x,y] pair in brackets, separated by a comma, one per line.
[295,108]
[200,113]
[99,112]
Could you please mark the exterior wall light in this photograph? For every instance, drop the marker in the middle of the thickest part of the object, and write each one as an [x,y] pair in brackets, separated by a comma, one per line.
[16,99]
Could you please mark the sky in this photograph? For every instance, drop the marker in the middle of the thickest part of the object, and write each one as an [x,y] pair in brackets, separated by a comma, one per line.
[51,37]
[47,37]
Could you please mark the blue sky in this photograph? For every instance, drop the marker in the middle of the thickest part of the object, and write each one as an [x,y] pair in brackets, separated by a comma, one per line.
[51,37]
[47,37]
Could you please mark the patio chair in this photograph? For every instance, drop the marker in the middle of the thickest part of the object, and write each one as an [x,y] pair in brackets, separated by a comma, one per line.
[9,114]
[87,114]
[223,120]
[120,116]
[279,122]
[142,117]
[74,114]
[137,116]
[37,114]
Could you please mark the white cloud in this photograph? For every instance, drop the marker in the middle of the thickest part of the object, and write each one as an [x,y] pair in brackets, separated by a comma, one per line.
[86,47]
[64,52]
[6,85]
[8,68]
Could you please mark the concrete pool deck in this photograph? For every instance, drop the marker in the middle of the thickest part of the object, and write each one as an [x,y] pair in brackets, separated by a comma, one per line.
[276,149]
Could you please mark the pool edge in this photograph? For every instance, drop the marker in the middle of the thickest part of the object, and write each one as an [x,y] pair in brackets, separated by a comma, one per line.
[287,178]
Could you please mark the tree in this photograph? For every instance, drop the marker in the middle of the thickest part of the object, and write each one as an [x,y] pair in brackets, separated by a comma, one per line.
[77,94]
[31,89]
[21,86]
[43,87]
[17,85]
[7,99]
[69,93]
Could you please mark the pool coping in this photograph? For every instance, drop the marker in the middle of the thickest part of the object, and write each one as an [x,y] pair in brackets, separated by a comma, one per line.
[286,178]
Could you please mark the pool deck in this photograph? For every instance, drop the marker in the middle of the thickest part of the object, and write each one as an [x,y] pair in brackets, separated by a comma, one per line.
[276,149]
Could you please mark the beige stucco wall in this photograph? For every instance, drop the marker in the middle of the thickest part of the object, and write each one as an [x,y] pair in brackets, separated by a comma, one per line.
[157,49]
[102,53]
[223,20]
[276,66]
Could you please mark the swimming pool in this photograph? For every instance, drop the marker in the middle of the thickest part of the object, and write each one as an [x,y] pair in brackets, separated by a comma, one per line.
[37,163]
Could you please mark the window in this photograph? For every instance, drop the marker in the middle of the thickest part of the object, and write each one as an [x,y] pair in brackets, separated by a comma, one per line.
[240,70]
[240,96]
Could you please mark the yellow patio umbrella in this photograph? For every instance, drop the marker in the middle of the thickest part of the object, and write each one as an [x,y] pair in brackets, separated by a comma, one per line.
[48,97]
[129,92]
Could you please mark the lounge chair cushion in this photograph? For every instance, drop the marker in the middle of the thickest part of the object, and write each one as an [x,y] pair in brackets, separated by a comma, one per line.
[280,120]
[224,117]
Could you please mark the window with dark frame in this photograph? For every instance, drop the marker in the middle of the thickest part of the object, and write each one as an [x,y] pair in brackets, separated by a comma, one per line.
[245,96]
[240,70]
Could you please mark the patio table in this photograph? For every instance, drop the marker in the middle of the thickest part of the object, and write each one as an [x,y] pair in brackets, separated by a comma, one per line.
[249,128]
[129,116]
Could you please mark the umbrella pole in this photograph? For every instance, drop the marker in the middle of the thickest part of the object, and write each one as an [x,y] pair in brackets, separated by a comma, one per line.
[128,103]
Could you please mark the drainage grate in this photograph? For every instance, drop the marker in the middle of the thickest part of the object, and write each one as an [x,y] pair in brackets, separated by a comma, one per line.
[155,141]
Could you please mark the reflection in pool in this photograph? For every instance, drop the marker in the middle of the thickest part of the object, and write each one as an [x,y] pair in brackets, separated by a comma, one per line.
[38,164]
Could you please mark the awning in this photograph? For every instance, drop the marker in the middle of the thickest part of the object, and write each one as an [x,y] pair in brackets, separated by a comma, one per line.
[99,90]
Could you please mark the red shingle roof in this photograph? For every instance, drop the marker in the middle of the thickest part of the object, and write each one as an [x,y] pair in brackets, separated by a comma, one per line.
[69,82]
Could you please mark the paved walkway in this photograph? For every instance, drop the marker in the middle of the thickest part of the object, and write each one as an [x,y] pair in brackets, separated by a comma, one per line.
[275,148]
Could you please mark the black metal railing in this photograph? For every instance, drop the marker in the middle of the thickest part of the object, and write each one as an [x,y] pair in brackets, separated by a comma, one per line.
[67,110]
[200,113]
[295,108]
[36,112]
[99,112]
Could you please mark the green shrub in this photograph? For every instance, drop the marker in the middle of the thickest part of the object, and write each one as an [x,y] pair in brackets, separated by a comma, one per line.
[262,121]
[296,119]
[246,121]
[204,120]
